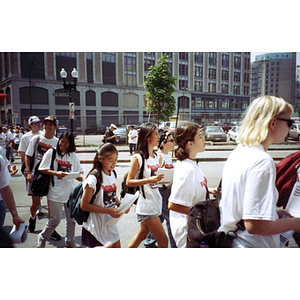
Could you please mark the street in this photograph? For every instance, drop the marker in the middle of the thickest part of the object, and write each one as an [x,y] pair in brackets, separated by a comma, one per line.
[128,225]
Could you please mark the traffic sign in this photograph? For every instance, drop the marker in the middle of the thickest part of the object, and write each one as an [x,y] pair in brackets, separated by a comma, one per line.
[71,106]
[61,94]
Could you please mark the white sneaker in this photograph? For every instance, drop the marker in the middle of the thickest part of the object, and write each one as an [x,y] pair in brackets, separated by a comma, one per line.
[72,245]
[41,243]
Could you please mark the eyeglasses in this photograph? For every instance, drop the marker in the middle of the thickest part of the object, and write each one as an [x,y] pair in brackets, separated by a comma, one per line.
[171,140]
[290,122]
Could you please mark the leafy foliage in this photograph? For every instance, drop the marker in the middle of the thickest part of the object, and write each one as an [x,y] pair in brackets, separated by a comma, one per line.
[160,85]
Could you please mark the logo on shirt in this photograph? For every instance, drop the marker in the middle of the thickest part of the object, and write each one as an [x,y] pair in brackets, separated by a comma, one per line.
[109,195]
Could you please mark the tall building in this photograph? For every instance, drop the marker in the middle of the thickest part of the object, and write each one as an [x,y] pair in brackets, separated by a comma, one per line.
[274,74]
[211,86]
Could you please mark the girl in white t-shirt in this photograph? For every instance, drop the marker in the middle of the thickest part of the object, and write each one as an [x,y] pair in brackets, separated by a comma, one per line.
[95,232]
[189,183]
[248,181]
[149,205]
[66,161]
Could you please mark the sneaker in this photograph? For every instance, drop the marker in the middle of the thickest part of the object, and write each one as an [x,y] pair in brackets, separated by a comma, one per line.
[41,243]
[72,245]
[31,226]
[55,236]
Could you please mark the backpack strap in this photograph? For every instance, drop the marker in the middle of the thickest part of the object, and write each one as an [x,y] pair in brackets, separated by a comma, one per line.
[52,164]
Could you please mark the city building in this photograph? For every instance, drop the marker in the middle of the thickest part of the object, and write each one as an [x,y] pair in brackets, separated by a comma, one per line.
[297,88]
[211,86]
[274,74]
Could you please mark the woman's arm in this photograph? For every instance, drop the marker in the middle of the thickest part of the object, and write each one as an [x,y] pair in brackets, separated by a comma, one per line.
[263,227]
[131,181]
[179,208]
[59,174]
[87,206]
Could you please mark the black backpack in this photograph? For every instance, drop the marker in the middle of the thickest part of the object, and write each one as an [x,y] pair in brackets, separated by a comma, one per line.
[204,222]
[40,183]
[133,189]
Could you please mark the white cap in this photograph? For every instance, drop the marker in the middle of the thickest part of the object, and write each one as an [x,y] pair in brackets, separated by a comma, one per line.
[113,126]
[33,119]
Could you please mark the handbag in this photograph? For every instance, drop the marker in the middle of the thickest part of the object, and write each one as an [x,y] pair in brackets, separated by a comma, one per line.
[40,183]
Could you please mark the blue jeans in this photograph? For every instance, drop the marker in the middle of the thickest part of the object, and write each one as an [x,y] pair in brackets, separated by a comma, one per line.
[132,148]
[150,240]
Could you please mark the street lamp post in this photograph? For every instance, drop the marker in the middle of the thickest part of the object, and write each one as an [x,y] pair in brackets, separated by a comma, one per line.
[70,86]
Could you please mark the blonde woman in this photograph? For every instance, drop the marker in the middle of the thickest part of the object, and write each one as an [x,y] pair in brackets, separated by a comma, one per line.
[248,180]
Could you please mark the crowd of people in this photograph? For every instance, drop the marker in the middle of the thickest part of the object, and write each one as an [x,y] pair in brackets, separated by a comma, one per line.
[248,182]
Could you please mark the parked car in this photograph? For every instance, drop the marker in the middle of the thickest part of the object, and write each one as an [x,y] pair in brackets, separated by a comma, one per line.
[215,134]
[172,126]
[96,129]
[223,126]
[164,126]
[295,132]
[121,133]
[62,129]
[233,133]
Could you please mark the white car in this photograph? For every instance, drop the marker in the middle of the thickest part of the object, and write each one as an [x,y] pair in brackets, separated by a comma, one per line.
[295,132]
[233,133]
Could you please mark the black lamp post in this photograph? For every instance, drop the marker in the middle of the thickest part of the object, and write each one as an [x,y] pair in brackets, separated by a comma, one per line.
[70,86]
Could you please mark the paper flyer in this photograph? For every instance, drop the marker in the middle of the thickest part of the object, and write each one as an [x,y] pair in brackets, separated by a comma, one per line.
[19,236]
[72,175]
[127,201]
[293,205]
[168,174]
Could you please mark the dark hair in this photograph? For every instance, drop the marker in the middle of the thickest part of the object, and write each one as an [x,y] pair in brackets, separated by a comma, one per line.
[184,133]
[163,139]
[105,151]
[67,135]
[142,144]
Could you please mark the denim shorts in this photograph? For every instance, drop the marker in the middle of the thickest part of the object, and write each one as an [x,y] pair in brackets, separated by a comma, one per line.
[141,218]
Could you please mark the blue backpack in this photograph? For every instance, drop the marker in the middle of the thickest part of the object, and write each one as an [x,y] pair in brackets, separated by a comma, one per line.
[74,201]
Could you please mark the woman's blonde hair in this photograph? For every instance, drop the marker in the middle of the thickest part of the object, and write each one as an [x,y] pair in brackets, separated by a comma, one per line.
[255,126]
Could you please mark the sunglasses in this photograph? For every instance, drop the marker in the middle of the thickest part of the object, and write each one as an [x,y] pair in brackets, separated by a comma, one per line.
[290,122]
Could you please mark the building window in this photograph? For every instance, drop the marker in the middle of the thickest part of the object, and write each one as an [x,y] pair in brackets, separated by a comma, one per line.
[199,57]
[109,68]
[211,87]
[237,76]
[210,104]
[148,63]
[184,102]
[66,60]
[32,62]
[225,75]
[130,68]
[90,97]
[197,103]
[183,85]
[89,67]
[212,58]
[198,86]
[198,71]
[225,60]
[212,73]
[109,99]
[236,90]
[184,56]
[183,69]
[170,54]
[224,88]
[237,62]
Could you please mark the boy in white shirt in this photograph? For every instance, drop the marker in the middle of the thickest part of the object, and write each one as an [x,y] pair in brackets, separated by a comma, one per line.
[43,142]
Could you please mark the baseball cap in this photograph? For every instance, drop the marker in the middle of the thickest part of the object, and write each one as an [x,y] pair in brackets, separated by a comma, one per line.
[113,126]
[51,119]
[33,119]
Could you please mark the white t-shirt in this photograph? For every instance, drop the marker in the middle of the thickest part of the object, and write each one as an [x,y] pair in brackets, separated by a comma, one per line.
[42,147]
[131,134]
[166,162]
[106,197]
[17,137]
[62,188]
[2,140]
[152,204]
[249,192]
[5,177]
[188,188]
[25,139]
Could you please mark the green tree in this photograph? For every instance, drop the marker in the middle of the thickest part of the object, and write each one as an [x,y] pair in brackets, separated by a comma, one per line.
[160,85]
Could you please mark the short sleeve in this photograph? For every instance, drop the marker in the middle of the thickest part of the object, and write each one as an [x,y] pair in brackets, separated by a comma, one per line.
[91,180]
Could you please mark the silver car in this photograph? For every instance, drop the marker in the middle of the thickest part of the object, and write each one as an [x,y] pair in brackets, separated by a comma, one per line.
[295,132]
[121,133]
[215,134]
